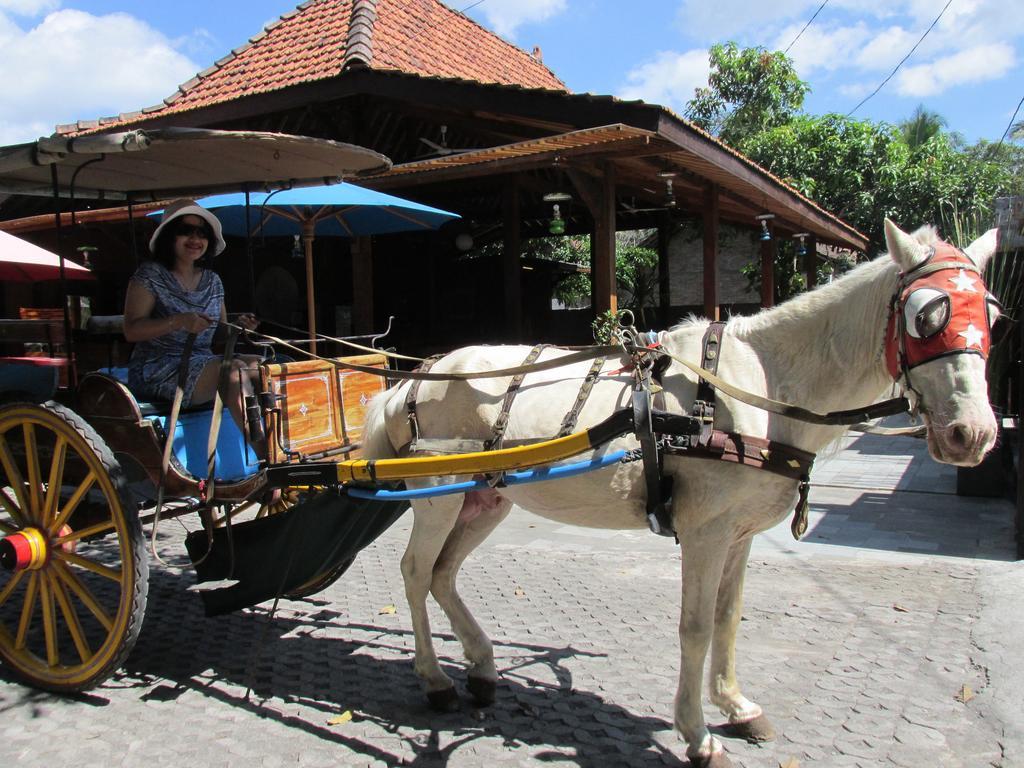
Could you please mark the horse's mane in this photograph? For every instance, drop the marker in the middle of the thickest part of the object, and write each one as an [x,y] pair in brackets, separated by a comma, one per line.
[838,319]
[834,330]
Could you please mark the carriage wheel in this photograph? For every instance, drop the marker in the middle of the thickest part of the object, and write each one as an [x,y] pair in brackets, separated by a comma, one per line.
[73,573]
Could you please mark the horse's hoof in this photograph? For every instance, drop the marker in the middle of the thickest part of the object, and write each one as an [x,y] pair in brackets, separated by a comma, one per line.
[714,760]
[445,700]
[482,690]
[755,731]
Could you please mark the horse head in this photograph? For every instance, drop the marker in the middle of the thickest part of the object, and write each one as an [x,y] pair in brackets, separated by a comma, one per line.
[938,339]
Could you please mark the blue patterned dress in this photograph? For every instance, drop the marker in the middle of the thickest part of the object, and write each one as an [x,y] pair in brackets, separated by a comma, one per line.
[153,367]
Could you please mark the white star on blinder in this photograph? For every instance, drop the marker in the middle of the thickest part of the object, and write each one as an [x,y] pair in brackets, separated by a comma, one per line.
[963,282]
[972,335]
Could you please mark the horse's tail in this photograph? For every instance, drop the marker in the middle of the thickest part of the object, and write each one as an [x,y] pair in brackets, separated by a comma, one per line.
[376,443]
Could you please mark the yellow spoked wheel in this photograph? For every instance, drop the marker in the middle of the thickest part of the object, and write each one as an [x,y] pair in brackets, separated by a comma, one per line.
[73,574]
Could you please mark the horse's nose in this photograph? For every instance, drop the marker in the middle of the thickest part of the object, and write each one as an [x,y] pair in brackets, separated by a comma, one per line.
[968,438]
[960,436]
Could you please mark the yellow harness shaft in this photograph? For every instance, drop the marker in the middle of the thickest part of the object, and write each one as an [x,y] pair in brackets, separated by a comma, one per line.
[370,470]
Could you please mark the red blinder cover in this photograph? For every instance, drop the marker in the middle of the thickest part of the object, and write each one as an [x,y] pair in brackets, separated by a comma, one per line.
[966,331]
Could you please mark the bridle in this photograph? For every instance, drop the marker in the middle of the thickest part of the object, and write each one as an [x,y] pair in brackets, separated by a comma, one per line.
[939,308]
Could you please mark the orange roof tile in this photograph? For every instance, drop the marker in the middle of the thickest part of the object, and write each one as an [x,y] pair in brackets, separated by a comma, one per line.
[311,42]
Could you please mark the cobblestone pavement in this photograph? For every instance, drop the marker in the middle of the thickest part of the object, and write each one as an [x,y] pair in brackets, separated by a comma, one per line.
[862,650]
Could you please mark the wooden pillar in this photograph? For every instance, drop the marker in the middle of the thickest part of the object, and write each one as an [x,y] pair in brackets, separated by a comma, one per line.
[711,252]
[768,270]
[362,285]
[664,275]
[307,243]
[603,265]
[511,266]
[811,262]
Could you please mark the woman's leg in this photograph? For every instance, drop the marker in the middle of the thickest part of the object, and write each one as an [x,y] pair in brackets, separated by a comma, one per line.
[239,386]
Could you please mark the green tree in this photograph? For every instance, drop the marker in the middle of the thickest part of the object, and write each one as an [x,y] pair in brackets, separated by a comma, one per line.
[921,127]
[749,90]
[864,171]
[636,270]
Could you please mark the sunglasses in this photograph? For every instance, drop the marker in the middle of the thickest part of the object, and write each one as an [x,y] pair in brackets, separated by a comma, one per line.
[190,230]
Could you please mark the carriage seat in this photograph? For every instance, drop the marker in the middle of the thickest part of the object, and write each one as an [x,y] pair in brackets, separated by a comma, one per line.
[153,407]
[105,395]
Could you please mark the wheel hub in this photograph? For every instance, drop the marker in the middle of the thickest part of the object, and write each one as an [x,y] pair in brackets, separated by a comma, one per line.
[24,550]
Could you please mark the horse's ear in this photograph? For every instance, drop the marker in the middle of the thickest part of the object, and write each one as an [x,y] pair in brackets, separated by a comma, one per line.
[905,250]
[981,250]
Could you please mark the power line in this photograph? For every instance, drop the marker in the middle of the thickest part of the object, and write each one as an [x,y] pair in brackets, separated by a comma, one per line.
[806,26]
[1009,125]
[880,86]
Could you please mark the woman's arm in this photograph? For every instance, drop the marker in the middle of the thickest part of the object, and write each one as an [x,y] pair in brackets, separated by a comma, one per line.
[139,326]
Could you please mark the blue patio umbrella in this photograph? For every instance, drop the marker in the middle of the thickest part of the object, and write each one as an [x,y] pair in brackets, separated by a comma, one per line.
[339,210]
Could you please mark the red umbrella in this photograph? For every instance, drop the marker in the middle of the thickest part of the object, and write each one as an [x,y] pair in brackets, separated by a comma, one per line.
[20,261]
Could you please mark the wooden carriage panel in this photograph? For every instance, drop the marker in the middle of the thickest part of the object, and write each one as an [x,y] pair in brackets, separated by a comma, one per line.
[357,389]
[322,408]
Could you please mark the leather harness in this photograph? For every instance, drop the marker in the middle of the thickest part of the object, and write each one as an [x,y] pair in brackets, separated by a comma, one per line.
[659,433]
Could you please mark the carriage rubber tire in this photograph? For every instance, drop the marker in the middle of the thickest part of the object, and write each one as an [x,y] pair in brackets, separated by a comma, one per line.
[123,515]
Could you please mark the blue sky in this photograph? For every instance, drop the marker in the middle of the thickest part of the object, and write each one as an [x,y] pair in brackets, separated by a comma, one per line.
[62,60]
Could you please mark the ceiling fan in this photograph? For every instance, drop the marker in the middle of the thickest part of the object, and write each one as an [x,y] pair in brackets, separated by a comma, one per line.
[669,202]
[440,148]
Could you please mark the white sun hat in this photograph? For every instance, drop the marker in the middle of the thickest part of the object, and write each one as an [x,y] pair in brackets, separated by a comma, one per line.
[186,207]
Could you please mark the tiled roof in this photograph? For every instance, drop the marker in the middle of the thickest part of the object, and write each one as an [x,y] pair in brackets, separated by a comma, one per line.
[320,38]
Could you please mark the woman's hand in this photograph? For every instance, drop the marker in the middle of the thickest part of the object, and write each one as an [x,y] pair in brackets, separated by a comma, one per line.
[191,322]
[248,321]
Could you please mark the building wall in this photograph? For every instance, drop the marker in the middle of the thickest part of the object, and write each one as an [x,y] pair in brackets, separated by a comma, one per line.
[736,248]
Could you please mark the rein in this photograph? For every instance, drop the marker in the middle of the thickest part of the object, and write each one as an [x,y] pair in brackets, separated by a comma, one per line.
[833,418]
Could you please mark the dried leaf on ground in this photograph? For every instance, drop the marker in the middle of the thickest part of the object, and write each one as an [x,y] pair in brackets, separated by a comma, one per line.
[387,610]
[344,717]
[965,694]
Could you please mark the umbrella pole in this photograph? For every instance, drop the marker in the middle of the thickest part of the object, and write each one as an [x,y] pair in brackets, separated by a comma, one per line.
[307,241]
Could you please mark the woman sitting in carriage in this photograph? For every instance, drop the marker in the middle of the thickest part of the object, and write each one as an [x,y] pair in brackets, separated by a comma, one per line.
[173,296]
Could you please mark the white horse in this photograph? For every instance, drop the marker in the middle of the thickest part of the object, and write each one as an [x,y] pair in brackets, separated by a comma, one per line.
[823,350]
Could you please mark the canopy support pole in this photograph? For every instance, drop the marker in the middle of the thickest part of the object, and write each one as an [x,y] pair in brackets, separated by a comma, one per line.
[69,344]
[307,242]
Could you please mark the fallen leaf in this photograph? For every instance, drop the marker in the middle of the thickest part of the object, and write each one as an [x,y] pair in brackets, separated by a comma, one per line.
[344,717]
[900,608]
[965,694]
[520,592]
[790,763]
[387,610]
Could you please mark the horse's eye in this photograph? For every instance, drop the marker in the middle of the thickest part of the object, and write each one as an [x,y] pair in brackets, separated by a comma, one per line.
[926,312]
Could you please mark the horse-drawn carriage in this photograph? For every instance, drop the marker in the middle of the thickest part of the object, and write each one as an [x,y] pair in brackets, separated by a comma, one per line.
[667,454]
[81,477]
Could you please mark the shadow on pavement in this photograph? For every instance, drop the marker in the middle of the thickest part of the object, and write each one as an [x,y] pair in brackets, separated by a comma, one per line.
[921,523]
[305,667]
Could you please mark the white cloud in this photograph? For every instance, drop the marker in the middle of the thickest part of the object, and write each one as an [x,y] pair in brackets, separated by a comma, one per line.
[28,7]
[886,49]
[974,65]
[503,16]
[724,19]
[823,49]
[669,79]
[74,65]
